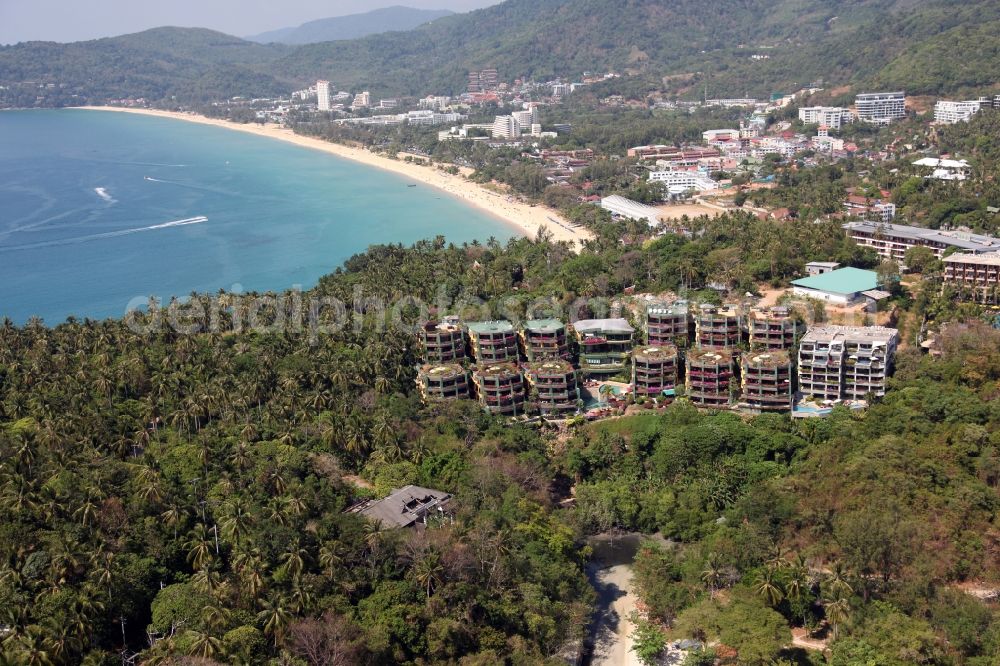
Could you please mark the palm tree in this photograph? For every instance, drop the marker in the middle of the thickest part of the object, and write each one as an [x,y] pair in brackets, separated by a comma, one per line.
[711,575]
[275,617]
[428,571]
[768,588]
[204,645]
[838,611]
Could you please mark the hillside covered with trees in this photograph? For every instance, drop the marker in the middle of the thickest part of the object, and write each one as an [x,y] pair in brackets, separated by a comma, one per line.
[923,46]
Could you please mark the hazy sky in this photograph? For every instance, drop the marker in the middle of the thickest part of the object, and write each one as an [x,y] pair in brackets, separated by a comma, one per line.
[72,20]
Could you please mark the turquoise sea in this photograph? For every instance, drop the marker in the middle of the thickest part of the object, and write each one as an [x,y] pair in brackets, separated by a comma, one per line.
[100,208]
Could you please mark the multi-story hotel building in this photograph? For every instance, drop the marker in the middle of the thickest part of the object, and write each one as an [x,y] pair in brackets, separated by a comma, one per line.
[717,327]
[845,362]
[444,341]
[947,112]
[976,277]
[832,117]
[891,241]
[448,381]
[493,341]
[679,181]
[323,95]
[605,346]
[881,108]
[554,386]
[500,388]
[654,370]
[771,329]
[710,377]
[668,323]
[766,378]
[544,339]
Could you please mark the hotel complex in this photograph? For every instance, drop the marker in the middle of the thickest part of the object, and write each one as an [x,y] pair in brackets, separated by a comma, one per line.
[881,108]
[891,241]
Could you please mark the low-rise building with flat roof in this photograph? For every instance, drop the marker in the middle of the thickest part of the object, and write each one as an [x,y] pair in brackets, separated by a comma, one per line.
[841,287]
[410,506]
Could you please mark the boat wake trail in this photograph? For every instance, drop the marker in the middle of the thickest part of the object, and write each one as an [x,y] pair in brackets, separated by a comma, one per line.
[103,193]
[110,234]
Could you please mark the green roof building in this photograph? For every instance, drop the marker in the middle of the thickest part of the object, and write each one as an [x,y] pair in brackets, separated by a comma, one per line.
[841,287]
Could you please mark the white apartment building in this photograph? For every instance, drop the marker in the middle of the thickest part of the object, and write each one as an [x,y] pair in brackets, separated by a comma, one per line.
[323,95]
[362,99]
[435,102]
[679,182]
[506,127]
[830,116]
[881,108]
[948,113]
[528,117]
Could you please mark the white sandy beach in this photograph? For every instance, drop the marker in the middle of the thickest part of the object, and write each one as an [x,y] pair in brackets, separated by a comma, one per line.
[525,218]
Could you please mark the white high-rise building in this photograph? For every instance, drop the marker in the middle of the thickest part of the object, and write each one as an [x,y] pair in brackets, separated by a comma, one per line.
[949,113]
[506,127]
[528,117]
[323,95]
[830,116]
[881,108]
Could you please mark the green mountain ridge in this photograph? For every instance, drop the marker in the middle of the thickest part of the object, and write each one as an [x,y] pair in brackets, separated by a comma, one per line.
[922,46]
[352,26]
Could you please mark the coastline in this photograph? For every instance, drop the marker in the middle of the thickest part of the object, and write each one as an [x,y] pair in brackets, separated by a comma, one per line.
[526,219]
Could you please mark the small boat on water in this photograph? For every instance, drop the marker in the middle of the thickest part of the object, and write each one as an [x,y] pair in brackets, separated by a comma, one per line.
[411,185]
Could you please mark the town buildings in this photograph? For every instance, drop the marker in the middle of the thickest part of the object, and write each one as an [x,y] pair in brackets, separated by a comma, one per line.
[710,377]
[605,346]
[877,209]
[544,339]
[947,112]
[493,341]
[633,210]
[766,379]
[654,370]
[443,382]
[845,362]
[840,287]
[944,169]
[820,267]
[891,241]
[976,277]
[362,100]
[668,324]
[717,327]
[832,117]
[323,95]
[771,329]
[881,108]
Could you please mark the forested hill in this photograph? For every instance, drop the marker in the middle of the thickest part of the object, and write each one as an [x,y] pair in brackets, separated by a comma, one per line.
[352,26]
[922,46]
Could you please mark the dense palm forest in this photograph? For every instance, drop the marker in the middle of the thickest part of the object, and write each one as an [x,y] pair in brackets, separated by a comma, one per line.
[181,494]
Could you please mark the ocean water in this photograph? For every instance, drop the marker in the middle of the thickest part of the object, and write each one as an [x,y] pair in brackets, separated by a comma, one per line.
[98,209]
